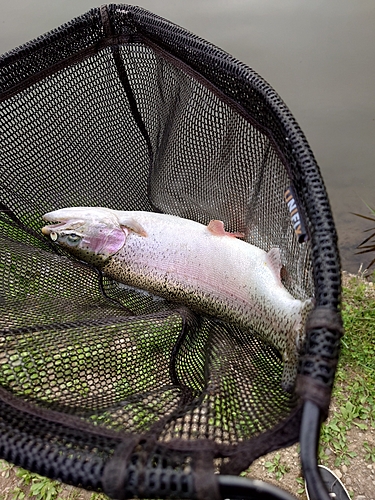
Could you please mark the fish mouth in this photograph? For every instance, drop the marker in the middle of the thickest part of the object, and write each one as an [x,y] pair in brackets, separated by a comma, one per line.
[47,230]
[51,228]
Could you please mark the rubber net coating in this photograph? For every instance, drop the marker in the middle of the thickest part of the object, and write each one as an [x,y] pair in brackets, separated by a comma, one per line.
[134,113]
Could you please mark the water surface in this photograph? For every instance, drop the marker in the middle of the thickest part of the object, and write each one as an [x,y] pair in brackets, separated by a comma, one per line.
[319,56]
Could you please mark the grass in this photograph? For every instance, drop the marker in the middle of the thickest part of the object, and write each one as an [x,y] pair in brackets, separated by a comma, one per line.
[29,485]
[353,406]
[39,487]
[368,244]
[354,392]
[369,452]
[277,467]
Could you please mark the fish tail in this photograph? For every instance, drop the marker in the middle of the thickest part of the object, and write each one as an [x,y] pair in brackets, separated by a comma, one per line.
[289,375]
[307,307]
[295,344]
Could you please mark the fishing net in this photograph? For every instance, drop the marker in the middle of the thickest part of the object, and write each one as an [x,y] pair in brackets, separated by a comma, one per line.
[105,386]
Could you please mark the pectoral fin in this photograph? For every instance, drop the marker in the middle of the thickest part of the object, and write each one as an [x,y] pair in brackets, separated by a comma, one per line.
[133,225]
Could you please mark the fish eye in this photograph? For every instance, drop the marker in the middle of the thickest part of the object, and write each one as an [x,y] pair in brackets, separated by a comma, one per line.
[53,236]
[73,238]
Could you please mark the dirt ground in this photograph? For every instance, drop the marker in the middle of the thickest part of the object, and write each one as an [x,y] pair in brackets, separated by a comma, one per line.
[358,477]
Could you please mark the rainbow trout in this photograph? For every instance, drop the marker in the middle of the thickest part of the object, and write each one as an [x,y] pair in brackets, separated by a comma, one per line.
[204,267]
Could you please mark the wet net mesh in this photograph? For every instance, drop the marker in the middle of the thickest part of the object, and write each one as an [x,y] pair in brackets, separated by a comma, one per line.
[105,386]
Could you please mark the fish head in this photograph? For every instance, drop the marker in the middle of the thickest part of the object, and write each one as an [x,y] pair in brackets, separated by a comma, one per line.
[90,234]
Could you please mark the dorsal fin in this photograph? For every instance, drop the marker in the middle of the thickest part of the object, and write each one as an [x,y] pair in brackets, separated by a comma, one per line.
[216,227]
[274,262]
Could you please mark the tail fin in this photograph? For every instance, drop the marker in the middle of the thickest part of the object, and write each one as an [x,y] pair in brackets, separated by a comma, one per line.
[307,306]
[290,357]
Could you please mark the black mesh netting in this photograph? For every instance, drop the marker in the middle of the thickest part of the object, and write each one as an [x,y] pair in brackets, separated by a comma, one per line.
[122,109]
